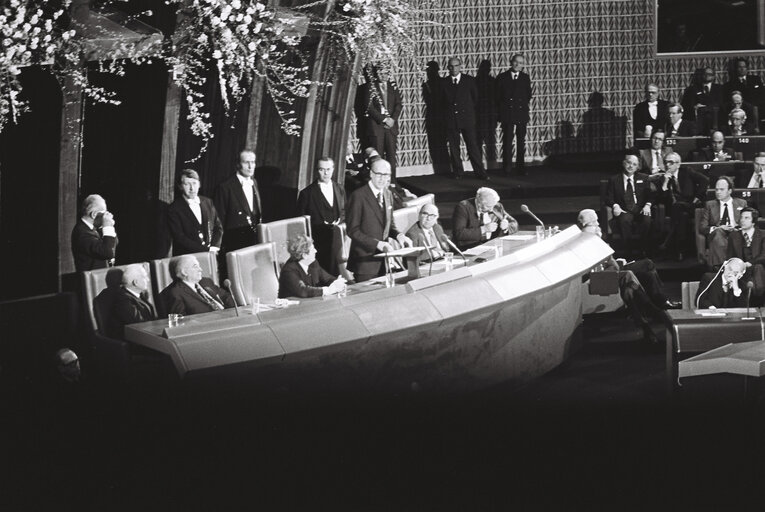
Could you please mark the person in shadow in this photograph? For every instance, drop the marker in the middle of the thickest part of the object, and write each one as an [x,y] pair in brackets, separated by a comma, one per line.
[434,119]
[599,126]
[487,113]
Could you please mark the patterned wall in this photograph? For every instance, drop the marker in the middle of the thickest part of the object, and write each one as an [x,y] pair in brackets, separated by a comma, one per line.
[573,49]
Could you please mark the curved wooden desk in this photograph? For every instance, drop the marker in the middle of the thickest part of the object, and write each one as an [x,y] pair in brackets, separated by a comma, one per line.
[507,319]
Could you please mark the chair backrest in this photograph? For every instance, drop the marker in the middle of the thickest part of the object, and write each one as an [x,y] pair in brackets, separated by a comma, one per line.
[254,273]
[688,290]
[281,231]
[161,269]
[99,289]
[404,218]
[420,200]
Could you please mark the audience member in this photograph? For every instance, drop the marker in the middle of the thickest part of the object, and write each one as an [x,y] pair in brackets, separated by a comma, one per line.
[369,220]
[681,191]
[426,232]
[736,101]
[480,219]
[748,244]
[701,99]
[190,293]
[94,239]
[131,304]
[640,306]
[383,104]
[754,176]
[736,123]
[750,86]
[716,151]
[193,220]
[719,218]
[302,275]
[677,126]
[460,96]
[324,201]
[629,195]
[650,115]
[238,204]
[721,289]
[513,97]
[652,159]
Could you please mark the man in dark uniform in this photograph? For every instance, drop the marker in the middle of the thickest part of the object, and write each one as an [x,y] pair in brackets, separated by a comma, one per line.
[513,97]
[192,219]
[239,206]
[382,101]
[94,239]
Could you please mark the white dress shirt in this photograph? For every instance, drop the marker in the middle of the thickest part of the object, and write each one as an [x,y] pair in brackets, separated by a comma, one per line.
[328,192]
[196,208]
[105,230]
[653,109]
[247,184]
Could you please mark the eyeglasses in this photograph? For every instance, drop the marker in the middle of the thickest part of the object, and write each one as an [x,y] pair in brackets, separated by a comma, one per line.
[671,162]
[381,173]
[429,215]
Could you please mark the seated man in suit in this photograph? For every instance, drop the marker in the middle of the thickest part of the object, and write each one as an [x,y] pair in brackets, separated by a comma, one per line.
[736,123]
[737,101]
[652,159]
[754,177]
[193,220]
[477,220]
[750,86]
[94,239]
[302,276]
[721,289]
[369,220]
[748,244]
[629,194]
[190,293]
[681,190]
[640,286]
[649,115]
[716,151]
[426,232]
[131,304]
[719,218]
[677,126]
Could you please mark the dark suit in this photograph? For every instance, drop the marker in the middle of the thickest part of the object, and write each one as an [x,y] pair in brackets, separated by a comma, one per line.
[715,296]
[712,100]
[750,126]
[686,129]
[744,176]
[90,249]
[708,155]
[295,282]
[417,235]
[189,236]
[513,97]
[717,240]
[384,140]
[326,235]
[642,117]
[460,103]
[631,221]
[690,191]
[751,88]
[646,159]
[239,221]
[179,298]
[466,224]
[367,224]
[754,254]
[129,309]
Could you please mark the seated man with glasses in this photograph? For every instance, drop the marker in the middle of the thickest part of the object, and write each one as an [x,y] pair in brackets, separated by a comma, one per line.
[681,191]
[369,220]
[426,232]
[652,159]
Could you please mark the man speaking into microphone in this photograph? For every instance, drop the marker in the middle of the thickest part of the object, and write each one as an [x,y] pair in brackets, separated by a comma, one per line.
[480,219]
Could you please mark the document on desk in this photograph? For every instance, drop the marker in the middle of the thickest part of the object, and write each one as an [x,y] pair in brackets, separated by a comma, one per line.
[521,238]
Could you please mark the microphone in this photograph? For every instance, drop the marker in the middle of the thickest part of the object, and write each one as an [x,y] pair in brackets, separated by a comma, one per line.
[430,254]
[445,238]
[525,209]
[698,297]
[749,286]
[227,285]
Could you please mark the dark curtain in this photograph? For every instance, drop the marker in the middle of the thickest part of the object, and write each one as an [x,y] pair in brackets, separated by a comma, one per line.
[29,160]
[122,154]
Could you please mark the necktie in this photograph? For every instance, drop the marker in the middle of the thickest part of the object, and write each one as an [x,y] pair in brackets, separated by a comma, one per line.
[629,195]
[759,181]
[214,304]
[673,185]
[747,240]
[659,163]
[380,200]
[706,88]
[454,81]
[725,217]
[515,76]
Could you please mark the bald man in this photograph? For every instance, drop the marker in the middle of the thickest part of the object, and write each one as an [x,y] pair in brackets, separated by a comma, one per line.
[191,293]
[716,151]
[722,289]
[426,232]
[132,304]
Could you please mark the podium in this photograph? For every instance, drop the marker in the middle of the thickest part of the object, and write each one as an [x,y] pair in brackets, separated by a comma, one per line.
[407,255]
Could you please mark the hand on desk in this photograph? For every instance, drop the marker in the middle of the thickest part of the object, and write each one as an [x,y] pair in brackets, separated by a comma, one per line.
[384,246]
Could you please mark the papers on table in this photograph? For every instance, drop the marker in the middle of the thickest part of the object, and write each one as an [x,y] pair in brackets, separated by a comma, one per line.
[518,237]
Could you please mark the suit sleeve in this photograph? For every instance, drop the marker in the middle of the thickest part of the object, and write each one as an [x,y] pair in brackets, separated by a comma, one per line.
[173,302]
[217,231]
[102,248]
[185,243]
[701,182]
[290,285]
[398,105]
[464,235]
[353,224]
[325,278]
[125,312]
[371,105]
[705,218]
[340,197]
[302,203]
[610,195]
[761,258]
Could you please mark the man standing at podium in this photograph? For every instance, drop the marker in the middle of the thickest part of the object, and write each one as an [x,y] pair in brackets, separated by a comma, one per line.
[369,219]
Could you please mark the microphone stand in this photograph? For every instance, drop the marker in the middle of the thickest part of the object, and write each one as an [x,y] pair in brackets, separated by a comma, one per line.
[451,244]
[430,254]
[749,286]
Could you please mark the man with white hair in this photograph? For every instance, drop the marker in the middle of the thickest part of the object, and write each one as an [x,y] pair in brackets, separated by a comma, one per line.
[477,220]
[736,123]
[721,289]
[94,239]
[426,232]
[131,304]
[190,293]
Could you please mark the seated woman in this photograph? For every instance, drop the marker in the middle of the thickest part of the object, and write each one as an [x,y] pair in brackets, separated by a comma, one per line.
[302,276]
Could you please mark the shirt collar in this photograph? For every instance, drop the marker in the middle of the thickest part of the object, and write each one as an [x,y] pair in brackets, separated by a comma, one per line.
[88,222]
[134,294]
[242,180]
[375,190]
[654,102]
[193,201]
[458,77]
